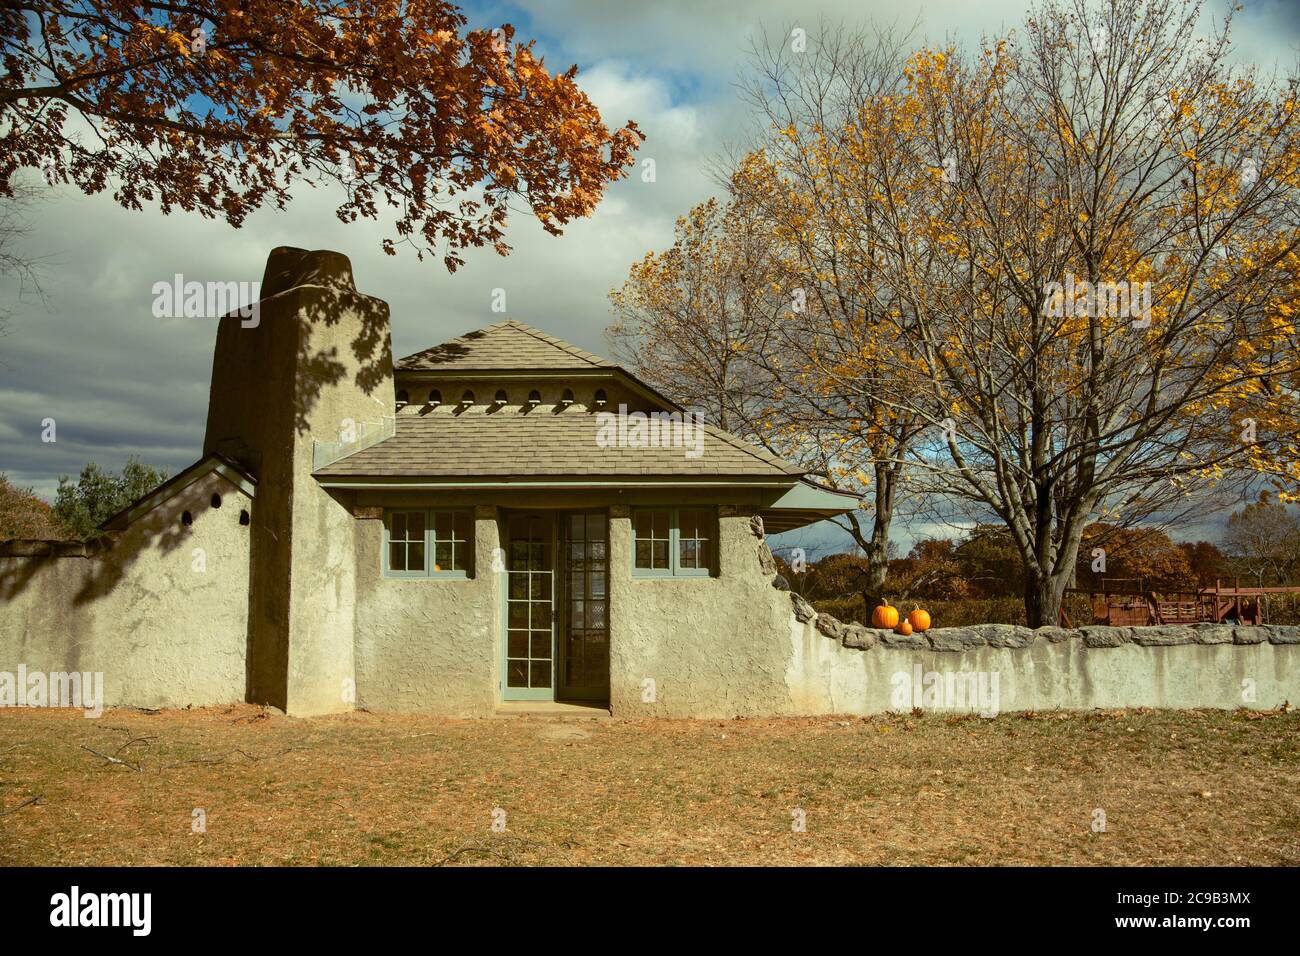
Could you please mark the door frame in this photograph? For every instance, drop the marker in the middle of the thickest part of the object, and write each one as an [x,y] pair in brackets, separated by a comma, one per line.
[559,605]
[506,692]
[562,617]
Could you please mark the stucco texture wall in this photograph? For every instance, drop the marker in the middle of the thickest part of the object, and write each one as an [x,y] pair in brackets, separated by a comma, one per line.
[713,647]
[427,646]
[139,609]
[317,364]
[1209,666]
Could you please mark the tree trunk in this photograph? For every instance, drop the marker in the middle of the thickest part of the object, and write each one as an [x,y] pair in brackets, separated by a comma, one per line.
[1043,598]
[877,554]
[877,549]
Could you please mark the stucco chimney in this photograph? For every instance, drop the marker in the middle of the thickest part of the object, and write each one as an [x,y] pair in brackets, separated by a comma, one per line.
[313,361]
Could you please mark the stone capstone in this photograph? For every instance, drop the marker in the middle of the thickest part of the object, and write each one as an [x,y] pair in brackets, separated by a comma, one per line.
[803,611]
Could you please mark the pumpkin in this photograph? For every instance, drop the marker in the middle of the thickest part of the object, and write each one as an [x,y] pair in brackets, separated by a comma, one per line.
[919,619]
[903,628]
[884,616]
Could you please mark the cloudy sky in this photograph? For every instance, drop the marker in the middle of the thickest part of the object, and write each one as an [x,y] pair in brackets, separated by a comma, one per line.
[120,382]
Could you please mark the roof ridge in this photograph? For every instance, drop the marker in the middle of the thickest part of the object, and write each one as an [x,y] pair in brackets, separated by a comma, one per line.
[559,343]
[470,338]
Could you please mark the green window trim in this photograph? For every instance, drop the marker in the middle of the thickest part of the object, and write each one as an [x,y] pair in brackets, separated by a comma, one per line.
[674,542]
[428,544]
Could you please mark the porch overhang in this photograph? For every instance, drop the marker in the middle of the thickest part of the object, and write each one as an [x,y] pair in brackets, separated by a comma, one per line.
[806,503]
[785,504]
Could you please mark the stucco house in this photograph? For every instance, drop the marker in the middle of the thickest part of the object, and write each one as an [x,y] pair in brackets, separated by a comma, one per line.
[501,518]
[506,521]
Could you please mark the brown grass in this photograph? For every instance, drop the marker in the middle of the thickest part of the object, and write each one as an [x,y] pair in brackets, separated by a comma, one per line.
[1176,787]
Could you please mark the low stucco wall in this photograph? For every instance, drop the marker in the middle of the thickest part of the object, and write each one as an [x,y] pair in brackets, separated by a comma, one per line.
[990,669]
[165,624]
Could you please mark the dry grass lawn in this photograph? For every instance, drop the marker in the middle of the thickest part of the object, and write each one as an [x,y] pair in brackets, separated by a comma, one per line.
[1176,788]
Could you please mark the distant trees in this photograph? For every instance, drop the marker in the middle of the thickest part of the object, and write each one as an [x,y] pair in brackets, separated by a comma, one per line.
[24,515]
[97,494]
[1145,556]
[1206,561]
[1263,541]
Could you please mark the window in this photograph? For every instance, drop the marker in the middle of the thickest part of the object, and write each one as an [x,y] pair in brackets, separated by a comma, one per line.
[673,541]
[694,537]
[428,543]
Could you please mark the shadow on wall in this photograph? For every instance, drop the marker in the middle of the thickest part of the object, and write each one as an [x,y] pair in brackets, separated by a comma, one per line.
[111,556]
[325,294]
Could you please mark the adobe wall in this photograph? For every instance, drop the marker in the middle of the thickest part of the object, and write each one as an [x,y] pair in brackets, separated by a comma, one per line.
[737,646]
[165,625]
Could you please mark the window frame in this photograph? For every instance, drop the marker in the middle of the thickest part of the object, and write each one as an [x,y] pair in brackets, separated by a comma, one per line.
[430,539]
[674,569]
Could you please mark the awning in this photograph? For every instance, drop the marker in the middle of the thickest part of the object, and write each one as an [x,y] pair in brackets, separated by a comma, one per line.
[805,503]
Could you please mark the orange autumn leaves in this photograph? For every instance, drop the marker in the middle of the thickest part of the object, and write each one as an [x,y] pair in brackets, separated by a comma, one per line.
[220,106]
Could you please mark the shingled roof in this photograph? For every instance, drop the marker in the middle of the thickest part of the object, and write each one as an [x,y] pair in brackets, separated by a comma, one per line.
[510,443]
[505,345]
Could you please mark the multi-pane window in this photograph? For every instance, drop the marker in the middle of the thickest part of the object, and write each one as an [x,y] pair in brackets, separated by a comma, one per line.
[673,541]
[694,540]
[406,539]
[424,543]
[653,539]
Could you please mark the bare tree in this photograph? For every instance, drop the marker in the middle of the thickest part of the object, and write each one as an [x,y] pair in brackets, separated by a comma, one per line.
[20,269]
[1094,281]
[1263,539]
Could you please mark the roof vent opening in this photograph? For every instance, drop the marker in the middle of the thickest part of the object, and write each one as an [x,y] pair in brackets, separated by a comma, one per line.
[534,398]
[216,501]
[187,519]
[403,398]
[244,518]
[499,400]
[467,399]
[601,399]
[435,398]
[567,398]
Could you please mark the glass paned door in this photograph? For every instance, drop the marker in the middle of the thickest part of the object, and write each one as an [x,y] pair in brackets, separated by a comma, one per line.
[584,646]
[529,612]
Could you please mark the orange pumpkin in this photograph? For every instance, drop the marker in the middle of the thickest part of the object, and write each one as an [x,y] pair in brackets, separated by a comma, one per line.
[885,616]
[919,619]
[903,628]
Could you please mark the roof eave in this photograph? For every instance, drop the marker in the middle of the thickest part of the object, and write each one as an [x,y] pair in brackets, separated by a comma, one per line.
[178,483]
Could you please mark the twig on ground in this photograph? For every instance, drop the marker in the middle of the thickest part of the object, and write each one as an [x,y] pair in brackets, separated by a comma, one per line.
[110,759]
[478,846]
[26,803]
[133,740]
[206,761]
